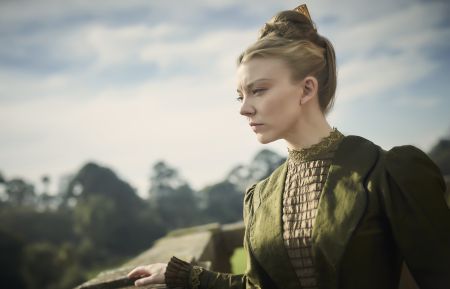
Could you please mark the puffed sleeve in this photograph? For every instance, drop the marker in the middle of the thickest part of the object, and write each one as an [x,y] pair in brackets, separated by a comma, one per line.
[413,191]
[183,275]
[248,203]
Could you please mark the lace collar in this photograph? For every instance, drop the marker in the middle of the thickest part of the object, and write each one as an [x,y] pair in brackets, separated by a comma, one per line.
[325,145]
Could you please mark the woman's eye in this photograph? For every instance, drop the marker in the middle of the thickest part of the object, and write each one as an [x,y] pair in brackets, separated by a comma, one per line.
[239,98]
[258,90]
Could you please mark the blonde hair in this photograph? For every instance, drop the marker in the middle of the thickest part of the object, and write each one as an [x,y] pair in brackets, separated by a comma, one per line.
[292,37]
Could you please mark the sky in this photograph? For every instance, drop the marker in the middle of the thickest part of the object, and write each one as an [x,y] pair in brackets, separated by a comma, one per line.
[129,83]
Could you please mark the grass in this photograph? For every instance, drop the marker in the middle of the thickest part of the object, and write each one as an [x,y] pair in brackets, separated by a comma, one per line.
[238,262]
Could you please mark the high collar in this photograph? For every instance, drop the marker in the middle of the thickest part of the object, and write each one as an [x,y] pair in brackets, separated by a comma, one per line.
[325,145]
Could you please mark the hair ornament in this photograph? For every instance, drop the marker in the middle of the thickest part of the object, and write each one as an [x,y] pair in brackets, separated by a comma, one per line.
[303,9]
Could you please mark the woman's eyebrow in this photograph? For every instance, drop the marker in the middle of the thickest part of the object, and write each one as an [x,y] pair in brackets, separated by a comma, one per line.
[251,84]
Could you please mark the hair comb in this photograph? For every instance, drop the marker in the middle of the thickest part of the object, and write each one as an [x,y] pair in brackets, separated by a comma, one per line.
[303,9]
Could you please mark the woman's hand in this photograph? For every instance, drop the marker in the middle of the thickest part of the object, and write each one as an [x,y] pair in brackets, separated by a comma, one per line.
[149,274]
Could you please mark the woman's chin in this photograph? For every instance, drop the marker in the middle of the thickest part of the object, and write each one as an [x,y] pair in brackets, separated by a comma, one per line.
[264,139]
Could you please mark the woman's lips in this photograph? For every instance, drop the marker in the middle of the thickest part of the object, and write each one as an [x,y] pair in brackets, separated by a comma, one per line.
[256,126]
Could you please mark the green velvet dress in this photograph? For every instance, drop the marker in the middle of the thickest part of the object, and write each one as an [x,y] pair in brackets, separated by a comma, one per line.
[377,209]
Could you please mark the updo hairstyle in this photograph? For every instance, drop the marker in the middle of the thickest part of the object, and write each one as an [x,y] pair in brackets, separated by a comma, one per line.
[292,37]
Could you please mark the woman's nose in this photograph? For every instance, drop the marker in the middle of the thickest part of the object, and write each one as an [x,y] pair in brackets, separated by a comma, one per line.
[247,109]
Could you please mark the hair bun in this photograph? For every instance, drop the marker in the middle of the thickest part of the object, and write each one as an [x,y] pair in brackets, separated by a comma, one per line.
[290,25]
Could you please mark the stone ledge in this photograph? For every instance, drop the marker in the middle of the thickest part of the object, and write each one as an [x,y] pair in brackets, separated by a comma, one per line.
[200,245]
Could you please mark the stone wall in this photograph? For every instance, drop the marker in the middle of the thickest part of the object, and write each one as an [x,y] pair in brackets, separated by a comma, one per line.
[210,246]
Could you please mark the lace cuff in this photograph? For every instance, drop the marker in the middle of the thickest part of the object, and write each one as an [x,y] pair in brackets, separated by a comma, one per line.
[177,274]
[182,275]
[195,277]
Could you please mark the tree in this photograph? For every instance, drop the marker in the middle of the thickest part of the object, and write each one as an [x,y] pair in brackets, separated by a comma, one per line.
[164,180]
[109,218]
[172,197]
[3,194]
[93,179]
[262,165]
[223,203]
[95,223]
[440,154]
[31,225]
[20,193]
[45,179]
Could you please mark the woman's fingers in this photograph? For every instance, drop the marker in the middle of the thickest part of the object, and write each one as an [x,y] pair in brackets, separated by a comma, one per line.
[150,274]
[145,281]
[138,271]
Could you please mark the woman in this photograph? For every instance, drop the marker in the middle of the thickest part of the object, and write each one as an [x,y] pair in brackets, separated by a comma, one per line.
[340,212]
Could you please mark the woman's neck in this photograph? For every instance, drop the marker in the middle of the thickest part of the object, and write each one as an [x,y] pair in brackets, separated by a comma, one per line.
[308,133]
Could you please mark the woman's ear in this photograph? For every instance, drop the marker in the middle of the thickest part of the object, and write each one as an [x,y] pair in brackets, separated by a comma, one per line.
[310,87]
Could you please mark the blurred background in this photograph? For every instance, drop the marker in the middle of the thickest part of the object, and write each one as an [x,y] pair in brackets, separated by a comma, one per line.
[119,120]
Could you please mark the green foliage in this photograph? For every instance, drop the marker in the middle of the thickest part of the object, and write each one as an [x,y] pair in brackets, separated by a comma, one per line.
[51,267]
[262,165]
[106,230]
[72,275]
[172,198]
[94,221]
[19,192]
[42,265]
[100,222]
[93,179]
[11,261]
[238,261]
[31,225]
[440,154]
[223,203]
[109,216]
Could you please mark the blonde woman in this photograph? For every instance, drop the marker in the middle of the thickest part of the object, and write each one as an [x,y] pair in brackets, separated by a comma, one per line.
[341,212]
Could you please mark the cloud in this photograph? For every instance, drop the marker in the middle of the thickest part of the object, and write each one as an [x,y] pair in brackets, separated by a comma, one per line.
[390,52]
[405,28]
[369,77]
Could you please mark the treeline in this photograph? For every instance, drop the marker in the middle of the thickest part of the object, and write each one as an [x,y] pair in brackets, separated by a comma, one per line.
[96,220]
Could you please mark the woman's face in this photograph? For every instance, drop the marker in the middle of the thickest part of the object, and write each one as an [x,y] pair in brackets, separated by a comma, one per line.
[270,100]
